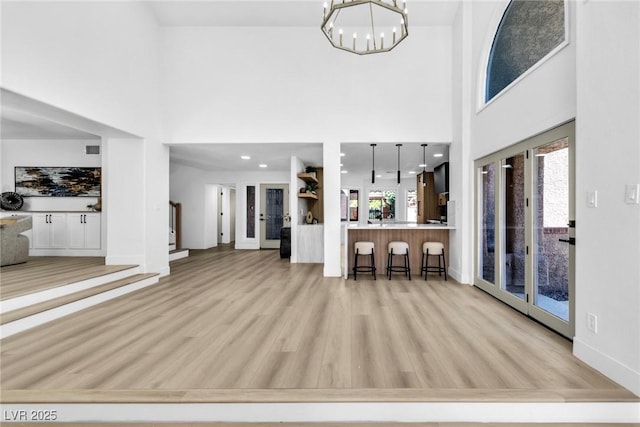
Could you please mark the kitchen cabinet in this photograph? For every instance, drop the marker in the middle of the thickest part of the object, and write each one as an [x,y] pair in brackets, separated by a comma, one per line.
[83,231]
[49,230]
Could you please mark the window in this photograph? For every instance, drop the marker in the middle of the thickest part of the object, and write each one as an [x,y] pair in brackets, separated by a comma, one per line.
[382,204]
[528,31]
[412,206]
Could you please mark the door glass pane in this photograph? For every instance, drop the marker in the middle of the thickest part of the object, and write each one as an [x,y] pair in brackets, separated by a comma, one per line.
[487,227]
[251,211]
[274,211]
[513,249]
[551,219]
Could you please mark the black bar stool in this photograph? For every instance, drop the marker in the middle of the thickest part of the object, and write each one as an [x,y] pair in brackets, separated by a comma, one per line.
[433,249]
[398,249]
[364,249]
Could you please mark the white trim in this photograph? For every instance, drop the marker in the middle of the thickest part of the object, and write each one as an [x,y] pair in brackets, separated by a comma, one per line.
[247,245]
[616,370]
[60,291]
[183,253]
[481,104]
[499,412]
[29,322]
[67,252]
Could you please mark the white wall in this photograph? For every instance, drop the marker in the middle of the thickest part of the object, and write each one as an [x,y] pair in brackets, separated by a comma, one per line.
[544,99]
[189,187]
[47,152]
[605,102]
[608,158]
[290,85]
[460,160]
[99,60]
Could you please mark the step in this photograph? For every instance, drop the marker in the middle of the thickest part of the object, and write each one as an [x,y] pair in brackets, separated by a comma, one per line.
[178,254]
[22,301]
[30,316]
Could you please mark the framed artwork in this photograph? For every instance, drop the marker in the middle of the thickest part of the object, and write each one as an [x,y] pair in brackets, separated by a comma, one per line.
[36,181]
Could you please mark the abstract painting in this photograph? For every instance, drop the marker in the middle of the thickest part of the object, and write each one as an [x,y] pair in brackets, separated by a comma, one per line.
[58,181]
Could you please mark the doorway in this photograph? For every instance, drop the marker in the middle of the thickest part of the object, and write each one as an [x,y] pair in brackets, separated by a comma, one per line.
[525,227]
[274,202]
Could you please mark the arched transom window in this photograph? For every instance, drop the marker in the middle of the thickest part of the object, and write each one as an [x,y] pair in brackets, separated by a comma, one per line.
[529,31]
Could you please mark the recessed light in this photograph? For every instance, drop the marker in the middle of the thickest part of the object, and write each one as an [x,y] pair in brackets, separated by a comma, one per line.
[262,165]
[412,172]
[343,171]
[438,155]
[245,157]
[341,165]
[342,154]
[378,176]
[424,165]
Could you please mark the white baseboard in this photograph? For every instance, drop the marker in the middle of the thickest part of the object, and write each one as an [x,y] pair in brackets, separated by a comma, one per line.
[622,374]
[66,252]
[249,246]
[459,277]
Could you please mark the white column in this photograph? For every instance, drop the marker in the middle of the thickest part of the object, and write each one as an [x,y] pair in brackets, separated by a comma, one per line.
[331,194]
[123,201]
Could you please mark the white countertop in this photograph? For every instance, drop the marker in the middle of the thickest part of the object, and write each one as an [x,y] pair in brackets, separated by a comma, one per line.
[392,226]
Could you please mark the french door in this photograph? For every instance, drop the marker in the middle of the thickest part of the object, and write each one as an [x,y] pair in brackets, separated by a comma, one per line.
[525,227]
[274,202]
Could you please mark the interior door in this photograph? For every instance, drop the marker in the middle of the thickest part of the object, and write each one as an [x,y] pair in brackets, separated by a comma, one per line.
[274,203]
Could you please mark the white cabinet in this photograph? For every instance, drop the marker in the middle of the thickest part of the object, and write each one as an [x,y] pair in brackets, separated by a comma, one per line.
[49,231]
[83,231]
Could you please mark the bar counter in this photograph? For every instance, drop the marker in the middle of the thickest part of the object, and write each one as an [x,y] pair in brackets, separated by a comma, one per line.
[381,234]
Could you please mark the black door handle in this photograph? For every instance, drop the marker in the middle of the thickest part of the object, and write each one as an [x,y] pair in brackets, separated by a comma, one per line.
[570,240]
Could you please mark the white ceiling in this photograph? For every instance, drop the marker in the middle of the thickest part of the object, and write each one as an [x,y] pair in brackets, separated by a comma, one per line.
[287,13]
[357,159]
[226,157]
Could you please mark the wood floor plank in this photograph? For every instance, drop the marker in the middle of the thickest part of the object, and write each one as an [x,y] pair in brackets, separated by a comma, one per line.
[231,325]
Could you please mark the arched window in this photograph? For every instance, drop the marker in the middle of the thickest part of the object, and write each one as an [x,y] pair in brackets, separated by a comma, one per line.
[528,31]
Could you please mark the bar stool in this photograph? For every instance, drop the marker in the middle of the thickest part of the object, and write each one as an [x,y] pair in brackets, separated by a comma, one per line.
[433,249]
[364,249]
[395,249]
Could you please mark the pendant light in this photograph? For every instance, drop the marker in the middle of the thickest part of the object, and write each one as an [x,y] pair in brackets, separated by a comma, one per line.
[373,163]
[398,145]
[424,165]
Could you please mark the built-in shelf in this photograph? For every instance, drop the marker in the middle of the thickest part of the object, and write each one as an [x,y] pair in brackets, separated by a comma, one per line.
[308,178]
[308,196]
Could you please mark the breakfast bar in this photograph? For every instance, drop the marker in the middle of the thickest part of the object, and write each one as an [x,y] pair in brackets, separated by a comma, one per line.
[381,234]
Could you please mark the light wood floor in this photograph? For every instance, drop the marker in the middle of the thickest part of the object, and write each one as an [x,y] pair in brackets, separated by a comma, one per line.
[243,326]
[40,273]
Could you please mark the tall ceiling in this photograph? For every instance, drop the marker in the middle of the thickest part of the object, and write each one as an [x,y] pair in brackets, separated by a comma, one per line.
[280,13]
[251,13]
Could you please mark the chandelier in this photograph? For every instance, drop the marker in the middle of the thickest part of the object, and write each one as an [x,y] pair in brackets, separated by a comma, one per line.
[345,20]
